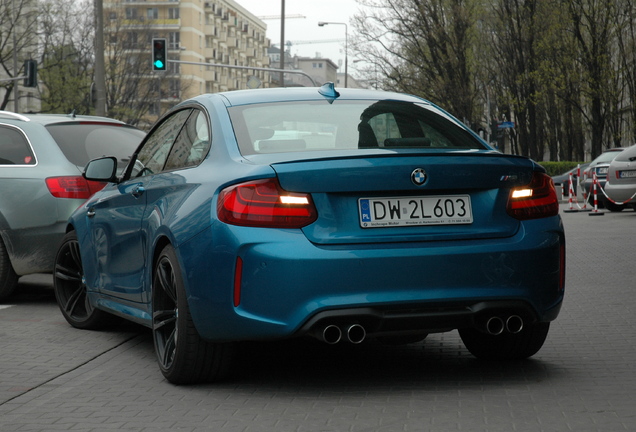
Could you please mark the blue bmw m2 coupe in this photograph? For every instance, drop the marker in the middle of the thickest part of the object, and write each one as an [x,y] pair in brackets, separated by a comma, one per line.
[337,214]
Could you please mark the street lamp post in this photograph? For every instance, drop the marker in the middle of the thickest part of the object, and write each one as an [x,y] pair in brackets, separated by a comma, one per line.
[282,42]
[324,23]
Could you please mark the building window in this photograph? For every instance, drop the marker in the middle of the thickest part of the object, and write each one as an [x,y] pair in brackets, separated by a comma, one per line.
[173,13]
[131,40]
[152,13]
[175,88]
[131,13]
[173,68]
[173,40]
[154,109]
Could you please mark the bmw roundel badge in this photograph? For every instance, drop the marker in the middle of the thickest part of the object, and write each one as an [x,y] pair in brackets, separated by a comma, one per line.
[418,176]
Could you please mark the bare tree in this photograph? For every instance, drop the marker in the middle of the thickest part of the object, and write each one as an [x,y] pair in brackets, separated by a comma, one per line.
[425,48]
[626,40]
[66,34]
[593,25]
[18,42]
[132,89]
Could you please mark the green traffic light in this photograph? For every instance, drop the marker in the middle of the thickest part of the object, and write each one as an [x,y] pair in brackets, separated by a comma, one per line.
[158,64]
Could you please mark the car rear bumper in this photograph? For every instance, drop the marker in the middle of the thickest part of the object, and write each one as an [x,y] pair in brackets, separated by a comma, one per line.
[392,321]
[287,284]
[621,193]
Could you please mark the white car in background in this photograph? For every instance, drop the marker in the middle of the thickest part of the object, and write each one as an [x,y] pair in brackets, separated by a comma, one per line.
[42,157]
[621,188]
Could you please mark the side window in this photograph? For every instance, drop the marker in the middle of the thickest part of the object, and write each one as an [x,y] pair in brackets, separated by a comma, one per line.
[14,148]
[152,157]
[192,144]
[384,126]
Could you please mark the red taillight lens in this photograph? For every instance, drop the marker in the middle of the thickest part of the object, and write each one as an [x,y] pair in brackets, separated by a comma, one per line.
[263,203]
[238,276]
[538,199]
[562,266]
[73,187]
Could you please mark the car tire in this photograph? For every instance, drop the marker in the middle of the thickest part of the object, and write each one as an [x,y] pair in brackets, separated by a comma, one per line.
[506,346]
[183,356]
[8,278]
[613,207]
[70,288]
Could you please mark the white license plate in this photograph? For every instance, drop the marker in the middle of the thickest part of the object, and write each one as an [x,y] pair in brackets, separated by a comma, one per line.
[417,210]
[627,174]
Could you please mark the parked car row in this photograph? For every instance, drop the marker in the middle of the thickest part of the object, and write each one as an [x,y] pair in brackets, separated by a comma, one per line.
[615,171]
[562,181]
[41,162]
[600,166]
[621,187]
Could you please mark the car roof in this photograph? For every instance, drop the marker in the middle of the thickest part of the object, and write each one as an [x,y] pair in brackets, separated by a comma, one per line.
[47,119]
[278,94]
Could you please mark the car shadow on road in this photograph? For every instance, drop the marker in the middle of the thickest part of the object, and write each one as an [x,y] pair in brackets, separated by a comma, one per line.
[439,361]
[32,289]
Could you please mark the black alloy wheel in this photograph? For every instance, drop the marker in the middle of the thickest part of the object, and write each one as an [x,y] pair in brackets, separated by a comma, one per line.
[183,356]
[70,287]
[8,278]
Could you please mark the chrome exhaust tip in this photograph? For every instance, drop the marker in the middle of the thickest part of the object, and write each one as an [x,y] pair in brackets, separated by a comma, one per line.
[331,334]
[514,324]
[495,326]
[356,333]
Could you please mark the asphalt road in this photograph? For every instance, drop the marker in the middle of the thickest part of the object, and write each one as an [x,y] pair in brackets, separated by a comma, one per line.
[54,377]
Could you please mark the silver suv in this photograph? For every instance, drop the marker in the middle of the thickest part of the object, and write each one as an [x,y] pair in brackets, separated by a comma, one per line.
[42,157]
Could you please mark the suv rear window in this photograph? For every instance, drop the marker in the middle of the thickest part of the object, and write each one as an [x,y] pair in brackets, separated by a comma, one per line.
[358,124]
[14,148]
[80,142]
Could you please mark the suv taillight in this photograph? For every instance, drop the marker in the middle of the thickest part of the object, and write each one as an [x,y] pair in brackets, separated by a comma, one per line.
[73,187]
[535,200]
[263,203]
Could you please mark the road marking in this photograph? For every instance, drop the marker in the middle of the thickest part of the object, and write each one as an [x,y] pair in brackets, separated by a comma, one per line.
[5,306]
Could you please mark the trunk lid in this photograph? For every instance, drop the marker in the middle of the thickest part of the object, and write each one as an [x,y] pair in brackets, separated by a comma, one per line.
[477,181]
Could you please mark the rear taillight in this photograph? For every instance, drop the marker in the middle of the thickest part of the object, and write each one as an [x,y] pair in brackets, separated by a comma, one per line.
[73,187]
[535,200]
[263,203]
[562,265]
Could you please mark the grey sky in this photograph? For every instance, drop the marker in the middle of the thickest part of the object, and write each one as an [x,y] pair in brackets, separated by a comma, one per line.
[307,29]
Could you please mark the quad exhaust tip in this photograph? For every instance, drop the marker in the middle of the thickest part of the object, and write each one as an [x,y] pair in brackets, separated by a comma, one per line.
[332,334]
[356,333]
[512,324]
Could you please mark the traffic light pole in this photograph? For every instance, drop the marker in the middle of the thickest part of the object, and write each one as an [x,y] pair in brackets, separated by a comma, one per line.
[15,57]
[282,71]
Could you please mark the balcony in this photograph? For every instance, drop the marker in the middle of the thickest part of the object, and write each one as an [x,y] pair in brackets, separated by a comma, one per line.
[141,22]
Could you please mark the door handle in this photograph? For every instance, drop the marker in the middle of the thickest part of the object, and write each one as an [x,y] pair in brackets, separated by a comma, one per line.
[138,191]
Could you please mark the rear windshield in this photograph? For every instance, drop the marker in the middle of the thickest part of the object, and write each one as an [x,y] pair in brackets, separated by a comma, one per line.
[321,125]
[629,154]
[82,142]
[606,157]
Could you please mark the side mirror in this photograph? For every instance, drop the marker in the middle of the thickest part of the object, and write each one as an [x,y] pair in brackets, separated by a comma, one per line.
[102,169]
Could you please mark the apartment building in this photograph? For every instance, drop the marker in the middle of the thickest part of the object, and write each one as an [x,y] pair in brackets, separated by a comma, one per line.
[221,32]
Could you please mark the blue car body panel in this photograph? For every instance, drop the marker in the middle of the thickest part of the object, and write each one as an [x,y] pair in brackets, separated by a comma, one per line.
[291,275]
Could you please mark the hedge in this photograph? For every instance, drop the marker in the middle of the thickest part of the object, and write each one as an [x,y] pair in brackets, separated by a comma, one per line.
[556,168]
